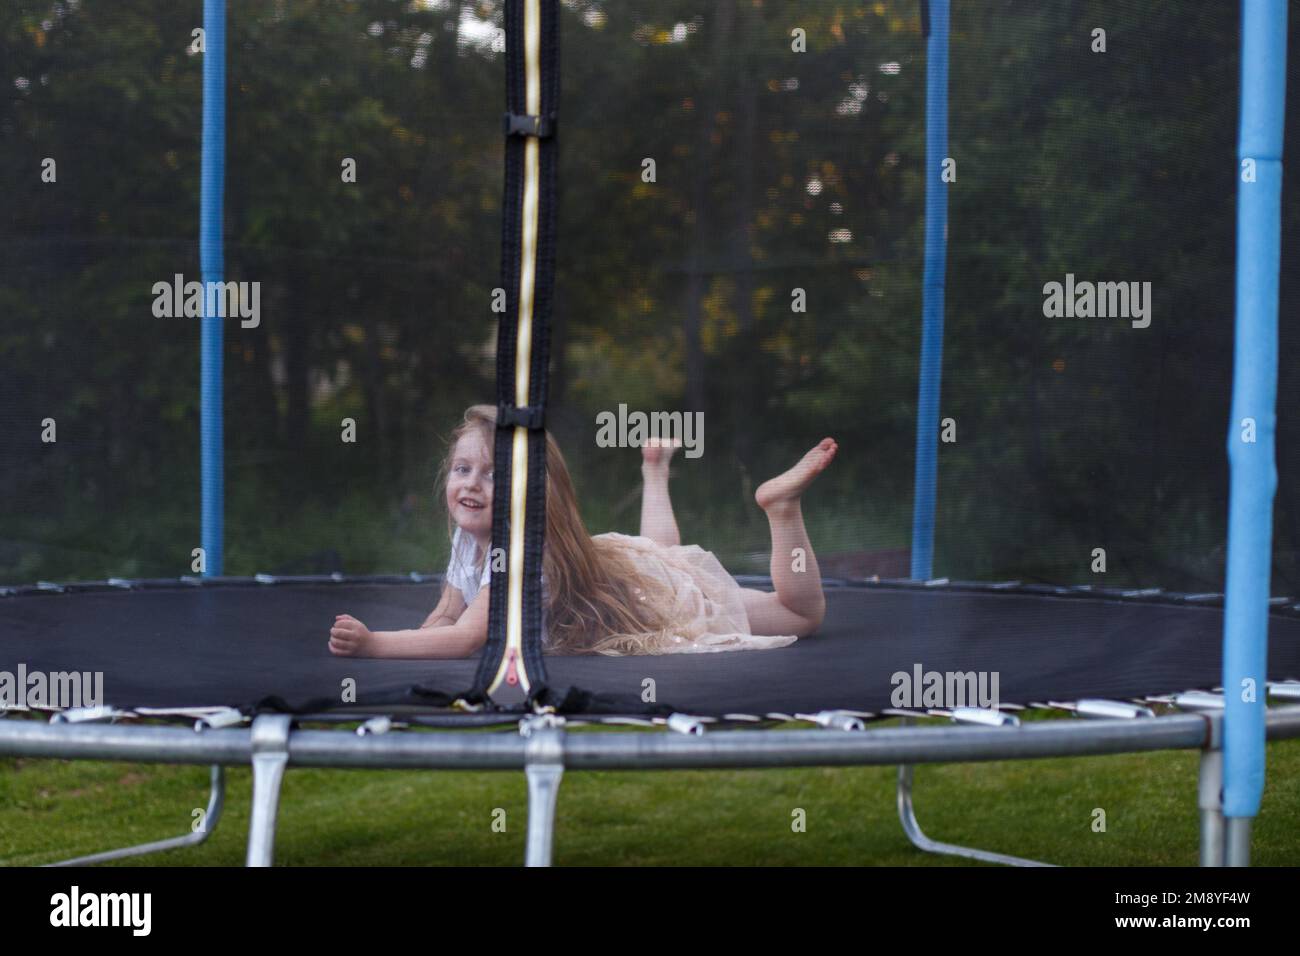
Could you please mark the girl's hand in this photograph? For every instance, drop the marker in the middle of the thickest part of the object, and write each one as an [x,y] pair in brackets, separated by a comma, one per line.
[350,638]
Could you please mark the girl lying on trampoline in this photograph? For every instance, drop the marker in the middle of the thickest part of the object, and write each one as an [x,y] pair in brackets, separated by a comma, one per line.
[613,593]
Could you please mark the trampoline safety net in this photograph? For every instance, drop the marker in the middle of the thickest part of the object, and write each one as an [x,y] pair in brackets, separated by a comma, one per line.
[712,236]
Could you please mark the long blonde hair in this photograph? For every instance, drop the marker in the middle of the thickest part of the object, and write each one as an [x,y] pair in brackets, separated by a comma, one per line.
[597,600]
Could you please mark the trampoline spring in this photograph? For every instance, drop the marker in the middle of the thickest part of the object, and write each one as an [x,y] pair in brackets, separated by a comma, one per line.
[1284,690]
[839,720]
[983,716]
[85,715]
[375,726]
[226,717]
[1198,700]
[686,724]
[1113,709]
[534,722]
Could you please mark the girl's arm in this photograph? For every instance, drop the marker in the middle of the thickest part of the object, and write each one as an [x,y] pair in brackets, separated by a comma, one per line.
[350,638]
[449,609]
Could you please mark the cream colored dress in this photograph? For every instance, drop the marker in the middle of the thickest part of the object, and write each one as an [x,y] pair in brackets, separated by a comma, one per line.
[708,611]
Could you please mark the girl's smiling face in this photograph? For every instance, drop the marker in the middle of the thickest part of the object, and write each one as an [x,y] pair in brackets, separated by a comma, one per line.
[469,486]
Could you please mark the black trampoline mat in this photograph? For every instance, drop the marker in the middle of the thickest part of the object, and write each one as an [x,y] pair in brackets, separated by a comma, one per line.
[237,646]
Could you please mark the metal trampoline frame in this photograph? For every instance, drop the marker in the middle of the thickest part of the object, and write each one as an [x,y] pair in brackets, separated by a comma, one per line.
[544,751]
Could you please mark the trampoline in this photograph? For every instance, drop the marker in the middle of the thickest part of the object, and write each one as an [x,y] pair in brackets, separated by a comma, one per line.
[189,647]
[1007,452]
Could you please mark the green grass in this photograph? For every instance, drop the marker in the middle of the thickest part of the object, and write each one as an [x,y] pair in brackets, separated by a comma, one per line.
[52,809]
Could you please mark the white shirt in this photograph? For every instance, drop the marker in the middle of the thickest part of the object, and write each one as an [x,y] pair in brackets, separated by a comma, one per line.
[460,571]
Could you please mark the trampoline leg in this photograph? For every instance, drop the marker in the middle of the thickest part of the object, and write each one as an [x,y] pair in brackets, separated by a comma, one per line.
[907,815]
[211,816]
[270,757]
[1210,793]
[1237,844]
[543,768]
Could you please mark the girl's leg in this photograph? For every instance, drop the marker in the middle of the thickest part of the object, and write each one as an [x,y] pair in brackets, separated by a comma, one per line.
[798,606]
[657,520]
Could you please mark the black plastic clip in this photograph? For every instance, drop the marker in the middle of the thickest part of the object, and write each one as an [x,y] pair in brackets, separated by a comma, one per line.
[532,417]
[517,124]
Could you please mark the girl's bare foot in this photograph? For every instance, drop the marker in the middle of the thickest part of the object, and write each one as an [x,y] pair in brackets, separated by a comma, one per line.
[656,453]
[787,487]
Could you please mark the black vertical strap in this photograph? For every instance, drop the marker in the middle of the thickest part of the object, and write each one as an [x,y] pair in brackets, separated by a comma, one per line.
[539,390]
[518,128]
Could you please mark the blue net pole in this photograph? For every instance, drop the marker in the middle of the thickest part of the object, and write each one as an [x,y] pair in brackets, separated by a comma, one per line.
[1254,401]
[212,267]
[932,287]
